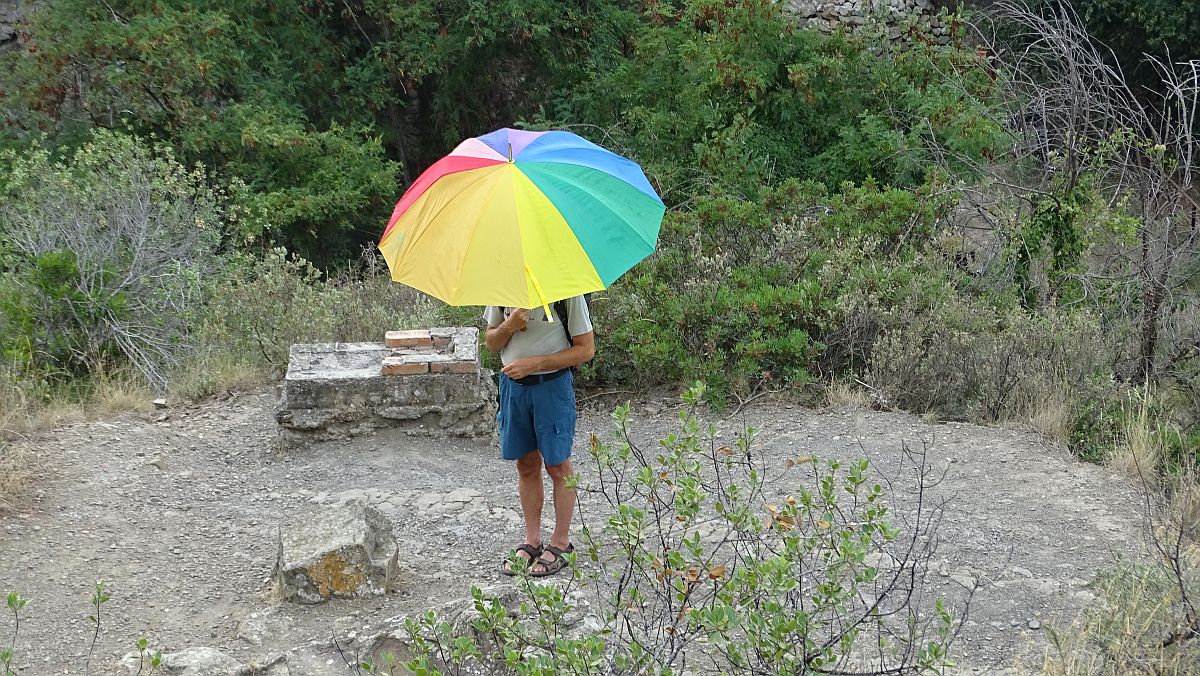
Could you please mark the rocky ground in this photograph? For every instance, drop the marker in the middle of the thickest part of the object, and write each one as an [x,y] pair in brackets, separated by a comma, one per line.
[180,510]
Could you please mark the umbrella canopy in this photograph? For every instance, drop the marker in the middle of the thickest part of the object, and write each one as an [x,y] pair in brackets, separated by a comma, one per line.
[522,219]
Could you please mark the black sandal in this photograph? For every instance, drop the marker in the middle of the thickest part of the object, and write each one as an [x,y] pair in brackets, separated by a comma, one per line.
[534,552]
[554,566]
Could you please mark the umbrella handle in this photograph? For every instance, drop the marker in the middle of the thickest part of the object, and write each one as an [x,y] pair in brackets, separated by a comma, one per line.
[541,296]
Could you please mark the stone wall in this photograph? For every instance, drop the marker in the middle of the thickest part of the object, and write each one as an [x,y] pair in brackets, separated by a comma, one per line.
[12,14]
[893,15]
[425,383]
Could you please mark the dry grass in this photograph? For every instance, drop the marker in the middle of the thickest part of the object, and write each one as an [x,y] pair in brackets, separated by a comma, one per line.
[845,395]
[1122,634]
[1141,450]
[15,463]
[1050,413]
[118,394]
[214,372]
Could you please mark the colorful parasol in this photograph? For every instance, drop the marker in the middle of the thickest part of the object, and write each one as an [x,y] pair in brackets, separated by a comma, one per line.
[522,219]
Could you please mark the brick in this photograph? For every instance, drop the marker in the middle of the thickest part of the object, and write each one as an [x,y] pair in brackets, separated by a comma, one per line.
[418,338]
[454,367]
[397,366]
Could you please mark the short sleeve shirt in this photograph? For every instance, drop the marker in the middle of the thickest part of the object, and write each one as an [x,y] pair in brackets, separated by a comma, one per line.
[541,337]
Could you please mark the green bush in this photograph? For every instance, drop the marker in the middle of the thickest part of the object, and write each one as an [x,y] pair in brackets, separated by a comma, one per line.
[747,292]
[106,253]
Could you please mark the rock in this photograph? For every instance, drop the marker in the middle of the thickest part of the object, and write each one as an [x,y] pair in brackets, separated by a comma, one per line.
[188,662]
[965,581]
[260,627]
[272,666]
[1035,624]
[462,495]
[340,552]
[880,561]
[160,403]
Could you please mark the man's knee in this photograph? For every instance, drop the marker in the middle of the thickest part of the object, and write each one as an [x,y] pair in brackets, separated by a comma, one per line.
[559,472]
[529,464]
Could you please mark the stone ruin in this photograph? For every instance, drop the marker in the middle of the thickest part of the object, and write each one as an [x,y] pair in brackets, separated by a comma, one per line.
[893,15]
[419,383]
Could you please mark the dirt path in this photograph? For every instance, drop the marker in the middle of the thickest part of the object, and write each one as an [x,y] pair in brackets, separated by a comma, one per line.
[180,515]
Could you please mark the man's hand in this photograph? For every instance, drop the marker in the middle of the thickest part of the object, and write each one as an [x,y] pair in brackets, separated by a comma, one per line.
[519,368]
[516,321]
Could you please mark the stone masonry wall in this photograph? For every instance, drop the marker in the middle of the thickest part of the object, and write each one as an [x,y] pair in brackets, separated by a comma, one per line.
[895,15]
[416,383]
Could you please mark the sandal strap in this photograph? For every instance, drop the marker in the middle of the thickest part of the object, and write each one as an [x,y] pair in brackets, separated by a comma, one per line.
[533,551]
[559,552]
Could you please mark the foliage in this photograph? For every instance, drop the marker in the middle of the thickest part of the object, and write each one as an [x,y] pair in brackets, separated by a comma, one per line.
[108,250]
[688,569]
[739,95]
[263,306]
[748,292]
[318,106]
[1137,27]
[965,360]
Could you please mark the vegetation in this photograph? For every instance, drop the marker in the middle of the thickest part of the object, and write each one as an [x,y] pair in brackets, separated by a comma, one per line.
[1003,232]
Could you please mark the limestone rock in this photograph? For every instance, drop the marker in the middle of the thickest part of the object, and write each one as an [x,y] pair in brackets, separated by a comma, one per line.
[340,552]
[189,662]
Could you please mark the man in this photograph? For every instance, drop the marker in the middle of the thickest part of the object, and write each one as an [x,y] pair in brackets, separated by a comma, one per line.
[537,415]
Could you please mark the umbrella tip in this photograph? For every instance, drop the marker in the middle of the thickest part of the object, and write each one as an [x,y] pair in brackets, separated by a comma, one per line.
[510,157]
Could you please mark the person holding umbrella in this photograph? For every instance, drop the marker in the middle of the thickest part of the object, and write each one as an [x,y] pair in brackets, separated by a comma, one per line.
[537,415]
[526,223]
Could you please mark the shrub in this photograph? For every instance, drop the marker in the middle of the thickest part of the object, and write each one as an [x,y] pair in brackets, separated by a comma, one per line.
[107,251]
[261,307]
[744,293]
[687,568]
[965,360]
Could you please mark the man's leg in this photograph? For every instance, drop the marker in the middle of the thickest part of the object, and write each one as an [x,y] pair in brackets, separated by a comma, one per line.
[564,509]
[533,496]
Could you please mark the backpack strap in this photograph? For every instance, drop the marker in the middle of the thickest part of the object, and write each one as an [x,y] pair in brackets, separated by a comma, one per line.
[564,317]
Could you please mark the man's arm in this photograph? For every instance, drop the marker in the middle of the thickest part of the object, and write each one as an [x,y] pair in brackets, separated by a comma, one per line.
[498,336]
[583,348]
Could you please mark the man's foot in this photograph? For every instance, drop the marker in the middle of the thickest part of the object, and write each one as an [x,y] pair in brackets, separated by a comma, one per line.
[549,565]
[529,553]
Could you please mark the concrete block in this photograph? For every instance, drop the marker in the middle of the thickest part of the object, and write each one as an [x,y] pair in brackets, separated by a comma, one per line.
[336,390]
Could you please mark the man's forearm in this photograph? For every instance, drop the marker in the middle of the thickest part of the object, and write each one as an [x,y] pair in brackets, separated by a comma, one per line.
[572,356]
[496,338]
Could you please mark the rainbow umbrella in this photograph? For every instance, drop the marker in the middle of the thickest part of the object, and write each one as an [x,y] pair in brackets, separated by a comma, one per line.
[522,219]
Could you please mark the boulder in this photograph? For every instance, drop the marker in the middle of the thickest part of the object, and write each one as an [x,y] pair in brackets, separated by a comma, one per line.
[346,552]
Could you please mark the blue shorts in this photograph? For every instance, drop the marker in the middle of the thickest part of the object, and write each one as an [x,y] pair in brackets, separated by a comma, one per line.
[537,417]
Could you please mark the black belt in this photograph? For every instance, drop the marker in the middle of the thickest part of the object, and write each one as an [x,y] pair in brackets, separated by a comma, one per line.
[540,378]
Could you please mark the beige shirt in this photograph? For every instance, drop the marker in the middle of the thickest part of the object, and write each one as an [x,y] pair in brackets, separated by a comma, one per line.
[541,337]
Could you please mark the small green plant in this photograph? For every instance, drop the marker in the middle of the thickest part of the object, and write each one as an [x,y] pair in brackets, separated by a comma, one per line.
[147,659]
[706,555]
[100,596]
[15,603]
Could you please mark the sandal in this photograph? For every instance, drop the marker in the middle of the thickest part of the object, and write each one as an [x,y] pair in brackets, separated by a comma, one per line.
[557,564]
[535,555]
